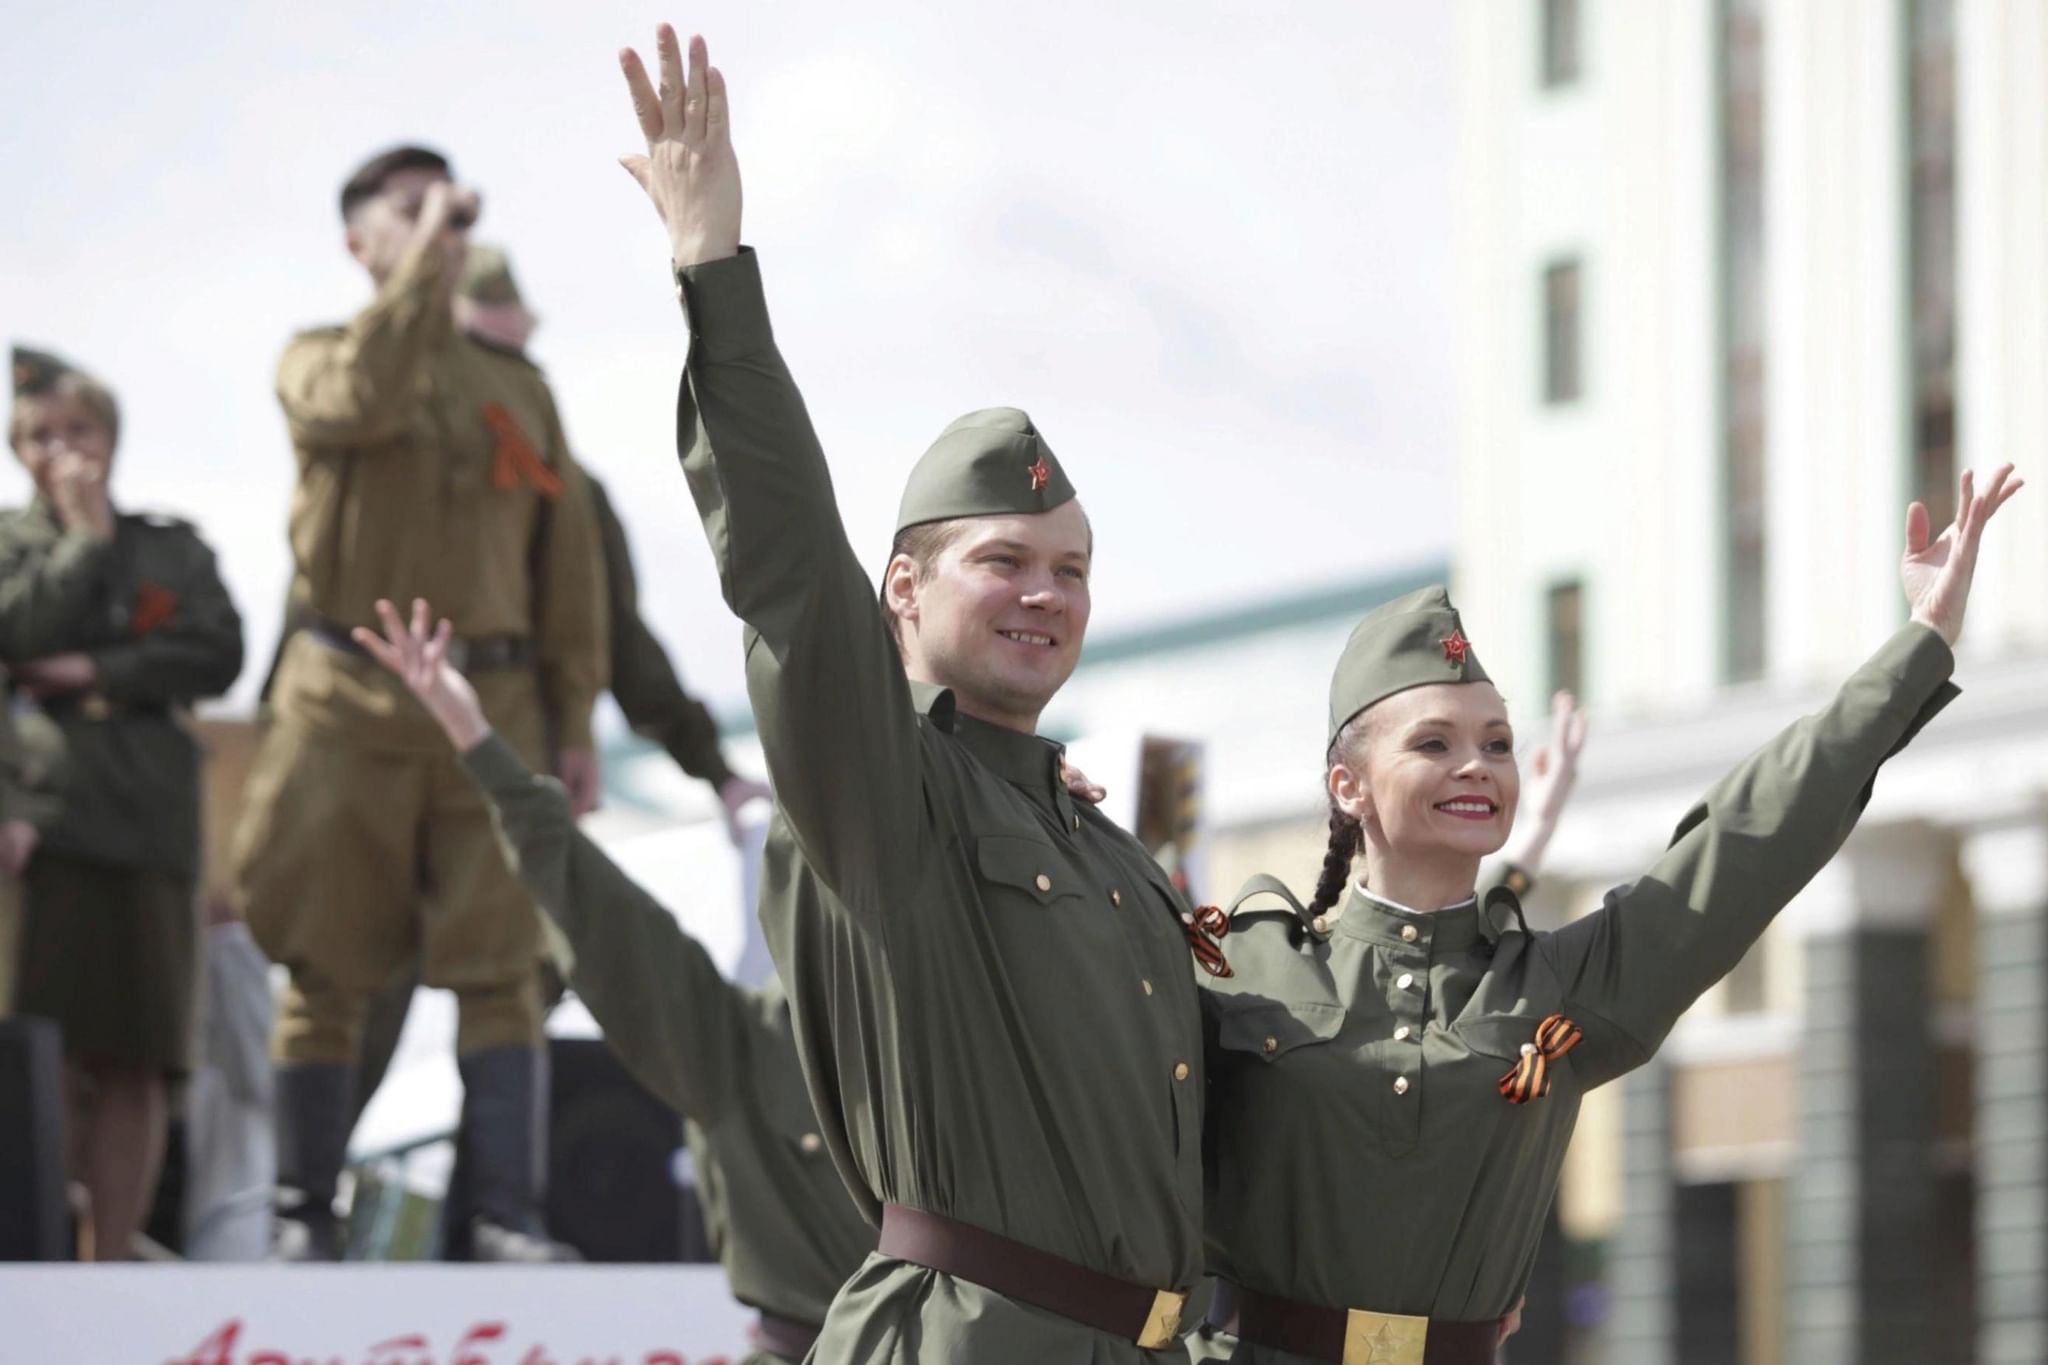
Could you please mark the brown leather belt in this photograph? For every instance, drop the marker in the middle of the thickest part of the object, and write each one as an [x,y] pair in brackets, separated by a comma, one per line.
[483,654]
[784,1338]
[1149,1317]
[1353,1336]
[96,706]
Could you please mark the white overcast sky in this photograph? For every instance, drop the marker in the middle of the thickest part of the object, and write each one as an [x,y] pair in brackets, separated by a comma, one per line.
[1206,244]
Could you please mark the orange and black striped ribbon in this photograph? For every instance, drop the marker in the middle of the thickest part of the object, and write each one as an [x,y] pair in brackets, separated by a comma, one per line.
[1530,1080]
[1206,929]
[155,605]
[516,457]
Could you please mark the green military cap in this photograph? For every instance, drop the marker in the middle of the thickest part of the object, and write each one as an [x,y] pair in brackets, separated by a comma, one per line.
[487,277]
[1409,642]
[37,372]
[986,464]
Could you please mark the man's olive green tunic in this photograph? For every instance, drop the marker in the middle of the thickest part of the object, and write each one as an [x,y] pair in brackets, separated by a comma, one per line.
[1362,1155]
[723,1057]
[643,680]
[990,985]
[118,764]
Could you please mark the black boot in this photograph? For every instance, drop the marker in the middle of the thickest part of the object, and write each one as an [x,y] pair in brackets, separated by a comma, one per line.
[312,1143]
[504,1121]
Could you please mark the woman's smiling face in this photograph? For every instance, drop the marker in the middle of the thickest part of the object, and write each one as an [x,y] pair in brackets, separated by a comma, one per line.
[1436,775]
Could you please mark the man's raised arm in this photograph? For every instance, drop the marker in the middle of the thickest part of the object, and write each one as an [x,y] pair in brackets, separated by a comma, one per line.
[827,685]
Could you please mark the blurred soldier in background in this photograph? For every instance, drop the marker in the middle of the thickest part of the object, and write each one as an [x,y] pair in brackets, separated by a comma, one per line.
[427,465]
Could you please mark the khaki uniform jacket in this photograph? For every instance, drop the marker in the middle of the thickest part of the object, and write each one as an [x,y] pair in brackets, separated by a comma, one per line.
[1362,1154]
[991,988]
[117,769]
[431,465]
[644,681]
[723,1057]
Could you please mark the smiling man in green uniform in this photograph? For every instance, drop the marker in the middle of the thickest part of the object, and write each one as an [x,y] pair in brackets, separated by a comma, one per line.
[991,984]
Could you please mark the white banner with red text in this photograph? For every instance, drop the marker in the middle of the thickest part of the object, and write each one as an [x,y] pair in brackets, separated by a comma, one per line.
[369,1315]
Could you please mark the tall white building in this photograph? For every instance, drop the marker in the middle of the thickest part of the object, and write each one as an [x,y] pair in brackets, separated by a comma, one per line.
[1739,279]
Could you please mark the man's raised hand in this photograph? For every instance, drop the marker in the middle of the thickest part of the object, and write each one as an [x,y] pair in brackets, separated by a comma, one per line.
[689,170]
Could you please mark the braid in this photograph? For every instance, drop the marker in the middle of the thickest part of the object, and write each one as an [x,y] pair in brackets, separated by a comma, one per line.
[1345,836]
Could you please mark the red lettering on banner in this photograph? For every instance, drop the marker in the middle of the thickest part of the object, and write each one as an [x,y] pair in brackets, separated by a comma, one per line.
[389,1352]
[482,1331]
[223,1346]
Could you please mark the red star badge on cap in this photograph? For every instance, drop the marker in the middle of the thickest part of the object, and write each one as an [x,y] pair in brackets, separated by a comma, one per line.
[1456,646]
[1040,475]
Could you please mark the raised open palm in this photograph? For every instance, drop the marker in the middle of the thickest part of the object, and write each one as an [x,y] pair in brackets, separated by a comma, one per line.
[1937,573]
[689,170]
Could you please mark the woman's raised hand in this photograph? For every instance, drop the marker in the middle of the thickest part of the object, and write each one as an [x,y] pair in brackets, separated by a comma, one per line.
[1936,574]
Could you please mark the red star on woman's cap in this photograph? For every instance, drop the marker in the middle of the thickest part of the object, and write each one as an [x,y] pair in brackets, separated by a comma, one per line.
[1456,646]
[1040,476]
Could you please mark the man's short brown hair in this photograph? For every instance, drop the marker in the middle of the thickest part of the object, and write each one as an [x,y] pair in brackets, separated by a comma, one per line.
[922,544]
[370,178]
[97,397]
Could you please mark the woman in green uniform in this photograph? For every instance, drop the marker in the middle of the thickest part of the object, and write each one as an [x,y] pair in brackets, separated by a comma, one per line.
[721,1055]
[113,623]
[1396,1068]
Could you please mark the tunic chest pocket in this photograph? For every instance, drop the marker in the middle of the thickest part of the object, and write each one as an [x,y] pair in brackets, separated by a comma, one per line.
[1501,1038]
[1273,1029]
[1027,866]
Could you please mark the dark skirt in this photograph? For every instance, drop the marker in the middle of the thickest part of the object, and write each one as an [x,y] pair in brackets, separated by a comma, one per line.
[111,954]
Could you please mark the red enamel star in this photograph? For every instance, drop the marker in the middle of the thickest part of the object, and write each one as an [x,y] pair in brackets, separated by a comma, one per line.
[1456,647]
[1040,475]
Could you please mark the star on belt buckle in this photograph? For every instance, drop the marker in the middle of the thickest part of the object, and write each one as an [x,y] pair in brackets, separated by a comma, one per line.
[1163,1322]
[1383,1338]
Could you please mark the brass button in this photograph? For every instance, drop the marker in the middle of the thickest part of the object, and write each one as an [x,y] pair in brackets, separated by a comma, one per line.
[1321,924]
[810,1142]
[1147,985]
[1044,882]
[1405,980]
[1180,1071]
[1400,1085]
[1401,1034]
[1116,898]
[1408,934]
[1272,1046]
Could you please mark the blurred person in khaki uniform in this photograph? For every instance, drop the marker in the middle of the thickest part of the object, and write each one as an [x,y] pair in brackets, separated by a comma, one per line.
[488,307]
[428,465]
[491,311]
[112,623]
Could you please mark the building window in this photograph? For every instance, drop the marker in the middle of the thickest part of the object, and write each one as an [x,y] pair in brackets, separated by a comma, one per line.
[1742,339]
[1931,225]
[1565,614]
[1560,43]
[1562,298]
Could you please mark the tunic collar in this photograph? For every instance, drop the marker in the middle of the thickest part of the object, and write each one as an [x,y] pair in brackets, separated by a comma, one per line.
[1028,761]
[1452,929]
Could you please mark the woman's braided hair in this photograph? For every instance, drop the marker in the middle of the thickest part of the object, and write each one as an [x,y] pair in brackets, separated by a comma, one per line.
[1346,835]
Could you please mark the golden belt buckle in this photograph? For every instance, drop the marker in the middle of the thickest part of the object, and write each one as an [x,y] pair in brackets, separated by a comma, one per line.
[1163,1322]
[1383,1338]
[93,706]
